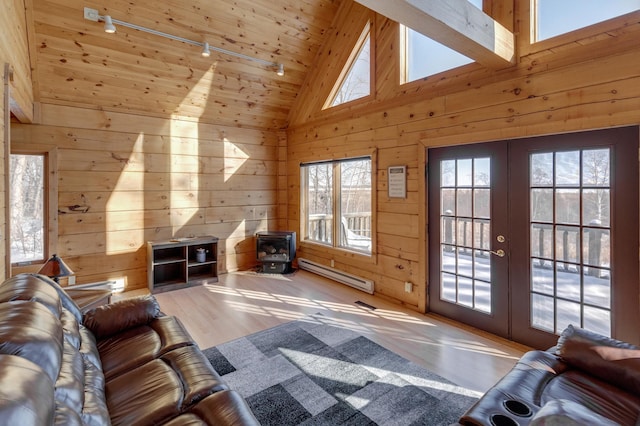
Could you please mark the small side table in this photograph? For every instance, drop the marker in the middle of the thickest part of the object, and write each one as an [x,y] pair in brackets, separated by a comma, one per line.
[87,299]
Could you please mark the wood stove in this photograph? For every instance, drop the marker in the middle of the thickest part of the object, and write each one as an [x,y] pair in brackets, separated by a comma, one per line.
[275,251]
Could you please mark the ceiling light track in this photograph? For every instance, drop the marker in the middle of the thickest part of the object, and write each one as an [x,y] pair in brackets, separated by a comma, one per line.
[109,27]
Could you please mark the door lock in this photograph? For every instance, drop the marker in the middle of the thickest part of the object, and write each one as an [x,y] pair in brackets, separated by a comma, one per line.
[501,238]
[499,252]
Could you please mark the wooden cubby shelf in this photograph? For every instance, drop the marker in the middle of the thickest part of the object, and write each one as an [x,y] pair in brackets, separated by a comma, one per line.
[175,263]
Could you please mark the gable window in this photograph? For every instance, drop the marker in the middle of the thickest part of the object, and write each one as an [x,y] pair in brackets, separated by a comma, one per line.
[355,79]
[337,203]
[28,195]
[424,57]
[552,17]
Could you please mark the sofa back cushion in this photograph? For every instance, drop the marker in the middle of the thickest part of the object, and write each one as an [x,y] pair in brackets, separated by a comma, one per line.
[608,359]
[26,393]
[29,330]
[29,288]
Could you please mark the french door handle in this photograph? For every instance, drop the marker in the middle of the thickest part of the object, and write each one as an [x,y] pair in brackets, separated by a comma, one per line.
[499,252]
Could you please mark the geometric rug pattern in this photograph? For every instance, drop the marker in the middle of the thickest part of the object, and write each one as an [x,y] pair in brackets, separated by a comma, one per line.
[306,372]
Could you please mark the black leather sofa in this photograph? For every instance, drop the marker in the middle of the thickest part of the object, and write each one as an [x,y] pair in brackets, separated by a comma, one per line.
[586,379]
[124,364]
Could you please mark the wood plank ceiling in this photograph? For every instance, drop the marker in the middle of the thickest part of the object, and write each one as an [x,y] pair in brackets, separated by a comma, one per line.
[77,63]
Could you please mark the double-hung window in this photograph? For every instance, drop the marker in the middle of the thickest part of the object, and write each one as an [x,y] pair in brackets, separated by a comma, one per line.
[337,203]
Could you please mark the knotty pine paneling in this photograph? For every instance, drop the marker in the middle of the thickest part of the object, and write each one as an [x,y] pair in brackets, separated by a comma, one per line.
[124,180]
[14,50]
[132,71]
[579,86]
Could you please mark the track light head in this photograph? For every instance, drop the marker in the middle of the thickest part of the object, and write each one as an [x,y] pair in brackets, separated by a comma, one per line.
[205,50]
[108,25]
[280,71]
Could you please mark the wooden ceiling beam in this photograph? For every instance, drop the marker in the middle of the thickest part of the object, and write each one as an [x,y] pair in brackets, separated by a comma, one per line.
[456,24]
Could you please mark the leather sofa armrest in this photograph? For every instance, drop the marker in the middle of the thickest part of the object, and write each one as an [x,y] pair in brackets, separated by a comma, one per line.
[568,413]
[113,318]
[608,359]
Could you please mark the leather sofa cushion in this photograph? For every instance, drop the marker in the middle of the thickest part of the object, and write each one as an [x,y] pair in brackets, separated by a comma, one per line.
[107,320]
[30,330]
[26,393]
[599,396]
[29,288]
[568,413]
[225,408]
[146,395]
[132,348]
[608,359]
[66,301]
[163,388]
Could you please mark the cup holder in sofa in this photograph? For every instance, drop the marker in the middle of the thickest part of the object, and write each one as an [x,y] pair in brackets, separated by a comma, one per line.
[502,420]
[518,408]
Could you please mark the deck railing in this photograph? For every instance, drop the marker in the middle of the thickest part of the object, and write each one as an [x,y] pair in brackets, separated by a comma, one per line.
[568,240]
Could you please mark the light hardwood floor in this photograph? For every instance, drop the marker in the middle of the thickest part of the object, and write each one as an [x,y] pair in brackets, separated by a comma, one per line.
[246,302]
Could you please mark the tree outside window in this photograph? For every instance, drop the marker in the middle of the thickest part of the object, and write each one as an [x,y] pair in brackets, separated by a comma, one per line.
[27,209]
[337,203]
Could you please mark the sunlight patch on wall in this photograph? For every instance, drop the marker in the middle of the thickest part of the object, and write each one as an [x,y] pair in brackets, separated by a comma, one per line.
[234,158]
[127,195]
[185,166]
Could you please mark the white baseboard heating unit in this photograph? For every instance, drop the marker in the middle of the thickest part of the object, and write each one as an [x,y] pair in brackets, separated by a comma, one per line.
[334,274]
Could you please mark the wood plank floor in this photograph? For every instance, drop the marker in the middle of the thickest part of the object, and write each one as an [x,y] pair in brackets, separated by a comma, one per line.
[246,302]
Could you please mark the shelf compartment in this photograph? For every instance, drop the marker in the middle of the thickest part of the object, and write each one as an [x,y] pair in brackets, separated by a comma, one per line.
[203,271]
[169,274]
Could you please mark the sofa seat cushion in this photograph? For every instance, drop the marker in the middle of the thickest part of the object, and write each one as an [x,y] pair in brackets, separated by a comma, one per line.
[146,395]
[169,385]
[198,377]
[132,348]
[225,408]
[568,413]
[596,395]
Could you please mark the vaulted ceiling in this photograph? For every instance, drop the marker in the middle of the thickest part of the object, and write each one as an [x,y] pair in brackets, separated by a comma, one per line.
[76,63]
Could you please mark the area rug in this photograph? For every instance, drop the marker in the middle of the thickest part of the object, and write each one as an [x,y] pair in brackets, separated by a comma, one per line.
[306,372]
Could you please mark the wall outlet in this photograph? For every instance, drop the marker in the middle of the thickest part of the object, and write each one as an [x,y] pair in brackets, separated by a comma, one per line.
[333,263]
[408,287]
[71,280]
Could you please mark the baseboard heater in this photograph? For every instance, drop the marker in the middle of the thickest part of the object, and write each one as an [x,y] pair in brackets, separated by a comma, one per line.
[334,274]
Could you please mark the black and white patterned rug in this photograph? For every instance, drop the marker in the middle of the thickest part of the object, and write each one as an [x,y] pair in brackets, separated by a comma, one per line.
[308,372]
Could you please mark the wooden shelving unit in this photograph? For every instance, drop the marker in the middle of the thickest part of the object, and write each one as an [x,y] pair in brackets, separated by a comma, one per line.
[174,264]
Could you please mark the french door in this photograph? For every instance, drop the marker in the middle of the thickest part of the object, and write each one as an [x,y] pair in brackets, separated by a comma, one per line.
[528,236]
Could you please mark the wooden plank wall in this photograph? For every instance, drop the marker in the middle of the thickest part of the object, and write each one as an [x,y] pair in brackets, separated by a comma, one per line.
[14,50]
[126,179]
[14,53]
[585,84]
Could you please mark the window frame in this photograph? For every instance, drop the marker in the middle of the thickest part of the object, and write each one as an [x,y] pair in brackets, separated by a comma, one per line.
[528,23]
[335,247]
[348,66]
[50,202]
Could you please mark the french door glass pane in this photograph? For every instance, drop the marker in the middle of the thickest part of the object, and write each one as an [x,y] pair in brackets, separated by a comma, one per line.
[465,220]
[570,256]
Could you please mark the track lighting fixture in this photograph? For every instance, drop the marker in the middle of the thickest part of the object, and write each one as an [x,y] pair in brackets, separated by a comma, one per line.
[109,27]
[205,50]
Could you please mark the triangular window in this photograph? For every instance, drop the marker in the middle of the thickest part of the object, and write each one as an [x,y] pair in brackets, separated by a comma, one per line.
[355,78]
